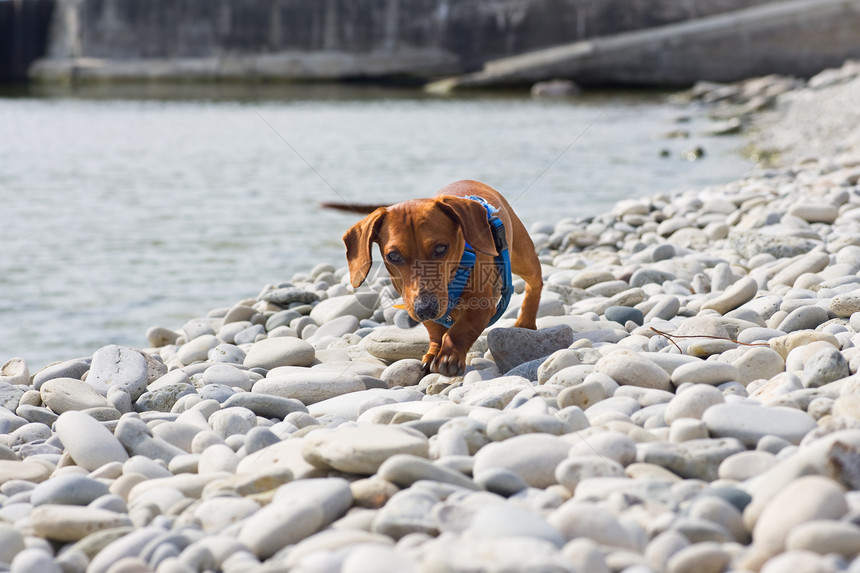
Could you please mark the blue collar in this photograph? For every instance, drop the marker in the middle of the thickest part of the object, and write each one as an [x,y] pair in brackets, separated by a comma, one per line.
[467,262]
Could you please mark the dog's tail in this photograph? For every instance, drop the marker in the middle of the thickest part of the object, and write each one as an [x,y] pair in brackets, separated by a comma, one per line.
[360,208]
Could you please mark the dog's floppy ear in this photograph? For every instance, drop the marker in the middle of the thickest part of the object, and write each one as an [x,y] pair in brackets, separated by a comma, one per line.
[472,217]
[358,242]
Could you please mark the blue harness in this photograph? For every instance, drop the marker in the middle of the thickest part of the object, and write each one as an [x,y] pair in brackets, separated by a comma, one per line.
[467,263]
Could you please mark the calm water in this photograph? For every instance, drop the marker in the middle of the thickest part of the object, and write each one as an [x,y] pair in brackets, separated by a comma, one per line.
[130,208]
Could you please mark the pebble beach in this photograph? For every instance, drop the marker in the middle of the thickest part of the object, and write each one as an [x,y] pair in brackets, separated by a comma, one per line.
[690,402]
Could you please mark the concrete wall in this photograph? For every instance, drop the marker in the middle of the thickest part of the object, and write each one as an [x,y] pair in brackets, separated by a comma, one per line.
[322,39]
[23,35]
[795,37]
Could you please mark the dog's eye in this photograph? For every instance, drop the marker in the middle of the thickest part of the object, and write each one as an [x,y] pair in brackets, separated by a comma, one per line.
[394,257]
[440,250]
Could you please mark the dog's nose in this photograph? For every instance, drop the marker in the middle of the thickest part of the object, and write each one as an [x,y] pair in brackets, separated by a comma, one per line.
[426,307]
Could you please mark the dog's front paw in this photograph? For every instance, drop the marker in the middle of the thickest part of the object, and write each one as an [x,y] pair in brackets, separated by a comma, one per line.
[427,363]
[449,362]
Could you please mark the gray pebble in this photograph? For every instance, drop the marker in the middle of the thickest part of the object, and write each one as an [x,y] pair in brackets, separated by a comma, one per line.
[513,346]
[258,438]
[405,513]
[266,405]
[226,353]
[405,469]
[803,318]
[119,366]
[88,443]
[68,369]
[749,423]
[163,399]
[623,314]
[825,366]
[33,559]
[69,489]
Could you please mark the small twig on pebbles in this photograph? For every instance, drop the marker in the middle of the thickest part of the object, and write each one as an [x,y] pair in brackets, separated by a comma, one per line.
[671,337]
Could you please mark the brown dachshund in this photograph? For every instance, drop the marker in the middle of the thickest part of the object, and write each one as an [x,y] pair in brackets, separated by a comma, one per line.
[422,242]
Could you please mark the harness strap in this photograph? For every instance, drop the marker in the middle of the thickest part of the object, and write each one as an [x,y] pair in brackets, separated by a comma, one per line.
[467,263]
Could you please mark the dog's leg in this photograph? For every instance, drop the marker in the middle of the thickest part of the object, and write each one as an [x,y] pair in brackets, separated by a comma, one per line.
[436,332]
[451,359]
[530,272]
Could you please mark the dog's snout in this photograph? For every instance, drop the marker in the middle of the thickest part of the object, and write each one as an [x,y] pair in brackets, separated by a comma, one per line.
[426,307]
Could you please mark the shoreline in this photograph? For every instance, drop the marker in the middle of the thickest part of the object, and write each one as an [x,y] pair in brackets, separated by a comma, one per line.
[688,402]
[119,306]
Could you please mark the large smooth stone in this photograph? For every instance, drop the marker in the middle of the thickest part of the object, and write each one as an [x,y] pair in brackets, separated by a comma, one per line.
[808,263]
[127,545]
[281,351]
[705,372]
[805,499]
[405,469]
[288,295]
[693,459]
[533,457]
[627,367]
[11,542]
[692,403]
[68,394]
[748,423]
[72,523]
[122,367]
[265,405]
[506,520]
[71,489]
[759,363]
[583,519]
[135,436]
[704,557]
[218,513]
[361,449]
[309,387]
[89,443]
[803,318]
[513,346]
[15,372]
[825,536]
[197,349]
[336,327]
[360,305]
[493,393]
[68,369]
[26,470]
[737,294]
[284,455]
[825,366]
[408,511]
[814,212]
[331,494]
[392,343]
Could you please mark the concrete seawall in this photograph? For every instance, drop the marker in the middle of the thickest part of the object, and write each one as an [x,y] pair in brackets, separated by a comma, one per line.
[329,39]
[798,37]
